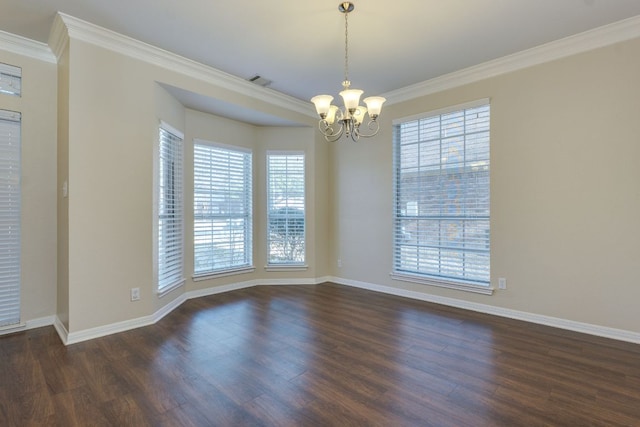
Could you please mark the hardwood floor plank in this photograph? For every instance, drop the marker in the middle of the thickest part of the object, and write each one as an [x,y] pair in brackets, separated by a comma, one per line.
[324,355]
[125,410]
[61,369]
[409,408]
[75,408]
[273,412]
[188,415]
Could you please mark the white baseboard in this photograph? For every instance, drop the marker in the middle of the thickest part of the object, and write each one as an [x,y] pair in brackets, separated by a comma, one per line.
[61,330]
[220,289]
[323,279]
[113,328]
[69,338]
[40,322]
[169,308]
[289,282]
[587,328]
[76,337]
[26,325]
[251,283]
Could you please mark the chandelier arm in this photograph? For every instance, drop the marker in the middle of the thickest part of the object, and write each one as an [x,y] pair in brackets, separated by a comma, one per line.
[329,133]
[333,138]
[325,128]
[373,126]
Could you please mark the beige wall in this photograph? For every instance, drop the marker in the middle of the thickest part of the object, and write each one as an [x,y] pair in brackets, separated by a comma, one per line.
[62,309]
[112,118]
[38,228]
[320,239]
[565,186]
[565,190]
[115,104]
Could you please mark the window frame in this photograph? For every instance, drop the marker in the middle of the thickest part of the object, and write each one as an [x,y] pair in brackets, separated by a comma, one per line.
[13,75]
[418,274]
[247,217]
[166,280]
[11,215]
[288,264]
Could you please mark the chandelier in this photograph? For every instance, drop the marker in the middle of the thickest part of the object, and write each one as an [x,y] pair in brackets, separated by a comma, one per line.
[334,122]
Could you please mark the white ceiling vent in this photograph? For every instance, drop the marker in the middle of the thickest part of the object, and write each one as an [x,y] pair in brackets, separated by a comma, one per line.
[260,81]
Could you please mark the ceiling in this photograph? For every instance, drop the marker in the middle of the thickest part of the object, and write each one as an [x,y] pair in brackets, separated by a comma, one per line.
[299,45]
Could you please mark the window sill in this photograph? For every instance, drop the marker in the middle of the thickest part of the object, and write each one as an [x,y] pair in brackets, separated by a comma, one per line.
[223,273]
[167,289]
[460,286]
[286,267]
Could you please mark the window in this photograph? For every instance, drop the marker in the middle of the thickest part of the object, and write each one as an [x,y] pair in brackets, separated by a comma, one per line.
[10,201]
[10,80]
[170,210]
[441,214]
[223,220]
[285,209]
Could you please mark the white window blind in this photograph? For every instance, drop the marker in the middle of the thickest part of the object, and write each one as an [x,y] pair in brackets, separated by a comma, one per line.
[285,208]
[170,211]
[223,220]
[10,80]
[10,203]
[441,210]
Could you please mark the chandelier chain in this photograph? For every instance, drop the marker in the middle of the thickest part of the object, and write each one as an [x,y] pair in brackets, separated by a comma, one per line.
[346,47]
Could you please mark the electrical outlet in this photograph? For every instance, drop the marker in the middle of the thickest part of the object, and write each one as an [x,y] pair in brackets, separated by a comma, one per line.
[339,263]
[502,283]
[135,294]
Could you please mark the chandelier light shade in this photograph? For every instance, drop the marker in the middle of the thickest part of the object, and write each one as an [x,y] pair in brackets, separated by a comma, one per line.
[334,121]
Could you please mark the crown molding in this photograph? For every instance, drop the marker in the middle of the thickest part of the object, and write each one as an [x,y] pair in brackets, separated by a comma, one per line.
[66,27]
[58,37]
[607,35]
[26,47]
[78,29]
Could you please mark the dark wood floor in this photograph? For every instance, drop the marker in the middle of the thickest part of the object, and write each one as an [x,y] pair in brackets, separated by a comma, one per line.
[323,355]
